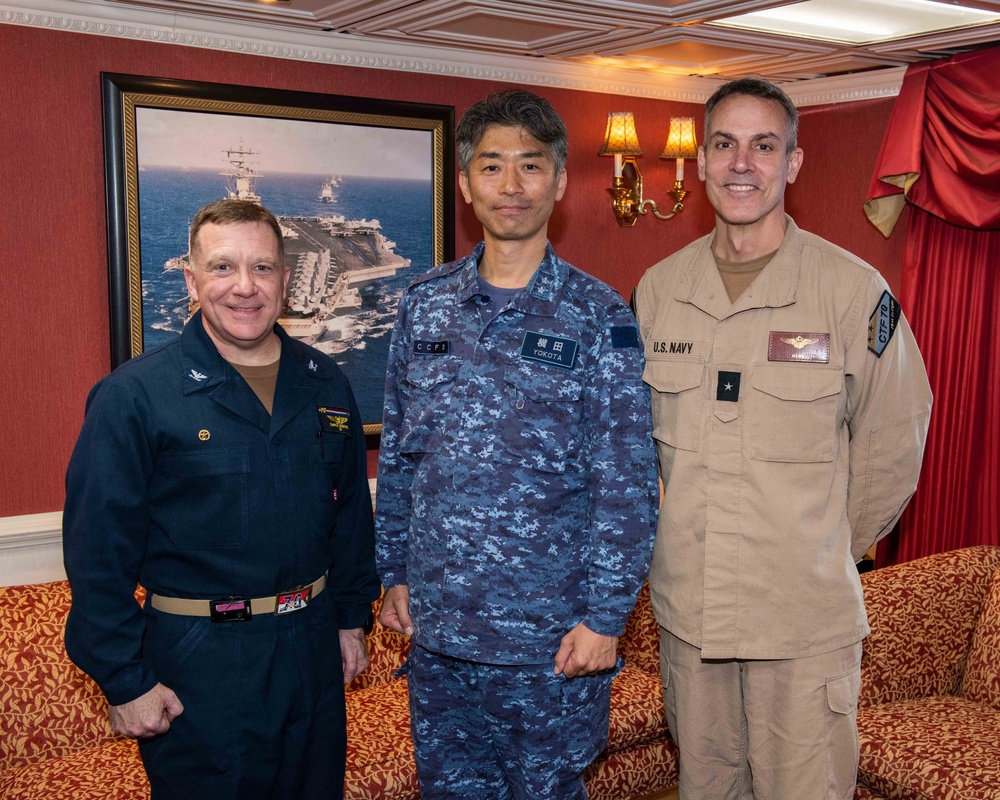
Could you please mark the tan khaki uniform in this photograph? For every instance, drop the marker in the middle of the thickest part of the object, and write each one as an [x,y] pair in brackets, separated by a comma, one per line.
[771,497]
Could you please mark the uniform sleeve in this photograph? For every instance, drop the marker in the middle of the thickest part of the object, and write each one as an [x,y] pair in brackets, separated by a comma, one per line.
[353,574]
[623,478]
[105,525]
[395,471]
[889,405]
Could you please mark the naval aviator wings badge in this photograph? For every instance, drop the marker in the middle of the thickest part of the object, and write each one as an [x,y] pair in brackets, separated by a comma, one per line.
[334,420]
[798,346]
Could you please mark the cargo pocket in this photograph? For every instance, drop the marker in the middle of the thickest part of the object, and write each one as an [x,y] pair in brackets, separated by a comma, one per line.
[677,399]
[842,732]
[842,692]
[793,412]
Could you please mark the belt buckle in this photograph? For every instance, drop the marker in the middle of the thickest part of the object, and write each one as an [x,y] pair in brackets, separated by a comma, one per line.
[294,600]
[232,609]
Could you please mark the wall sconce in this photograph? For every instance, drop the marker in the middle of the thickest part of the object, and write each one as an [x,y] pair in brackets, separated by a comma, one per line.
[620,141]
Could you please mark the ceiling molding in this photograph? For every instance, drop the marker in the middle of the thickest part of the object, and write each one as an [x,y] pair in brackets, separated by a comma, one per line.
[119,21]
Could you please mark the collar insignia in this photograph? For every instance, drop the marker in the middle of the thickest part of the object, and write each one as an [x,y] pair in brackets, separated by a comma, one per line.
[197,376]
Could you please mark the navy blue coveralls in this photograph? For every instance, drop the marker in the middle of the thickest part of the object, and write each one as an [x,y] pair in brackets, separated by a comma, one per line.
[181,481]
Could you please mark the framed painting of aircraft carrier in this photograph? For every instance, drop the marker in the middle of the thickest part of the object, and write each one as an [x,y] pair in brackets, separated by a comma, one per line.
[363,189]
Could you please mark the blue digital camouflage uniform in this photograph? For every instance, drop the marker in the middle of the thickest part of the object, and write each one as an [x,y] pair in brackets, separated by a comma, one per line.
[517,484]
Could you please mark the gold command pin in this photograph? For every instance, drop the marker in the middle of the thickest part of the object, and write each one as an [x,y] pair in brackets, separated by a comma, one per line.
[204,435]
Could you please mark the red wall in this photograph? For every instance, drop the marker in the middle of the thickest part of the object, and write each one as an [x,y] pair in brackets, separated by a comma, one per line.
[52,222]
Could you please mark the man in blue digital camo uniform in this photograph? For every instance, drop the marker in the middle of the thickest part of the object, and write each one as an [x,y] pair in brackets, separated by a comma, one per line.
[515,506]
[225,472]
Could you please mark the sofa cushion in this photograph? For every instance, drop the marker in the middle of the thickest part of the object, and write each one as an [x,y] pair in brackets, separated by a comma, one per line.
[640,644]
[982,671]
[922,615]
[51,708]
[112,771]
[379,748]
[637,713]
[864,793]
[633,772]
[934,748]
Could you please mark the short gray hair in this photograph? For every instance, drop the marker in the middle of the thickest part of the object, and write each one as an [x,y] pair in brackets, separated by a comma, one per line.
[765,90]
[512,108]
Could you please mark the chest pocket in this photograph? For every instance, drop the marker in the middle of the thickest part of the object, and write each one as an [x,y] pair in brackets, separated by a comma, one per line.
[542,419]
[204,494]
[794,412]
[430,398]
[678,401]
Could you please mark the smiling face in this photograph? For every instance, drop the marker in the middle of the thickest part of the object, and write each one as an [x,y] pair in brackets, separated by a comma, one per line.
[238,277]
[746,165]
[512,184]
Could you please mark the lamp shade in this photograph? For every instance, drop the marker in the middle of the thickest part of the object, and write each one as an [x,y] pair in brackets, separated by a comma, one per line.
[681,141]
[620,138]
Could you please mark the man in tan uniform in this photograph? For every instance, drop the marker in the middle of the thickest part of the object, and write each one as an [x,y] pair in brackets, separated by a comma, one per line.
[790,409]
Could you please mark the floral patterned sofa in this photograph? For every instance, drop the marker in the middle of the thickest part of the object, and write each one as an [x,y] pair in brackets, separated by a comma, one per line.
[55,742]
[929,709]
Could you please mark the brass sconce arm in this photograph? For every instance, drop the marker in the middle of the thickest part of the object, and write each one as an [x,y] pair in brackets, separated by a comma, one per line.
[627,200]
[621,141]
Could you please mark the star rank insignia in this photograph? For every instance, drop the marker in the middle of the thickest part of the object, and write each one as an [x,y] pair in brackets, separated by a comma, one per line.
[728,389]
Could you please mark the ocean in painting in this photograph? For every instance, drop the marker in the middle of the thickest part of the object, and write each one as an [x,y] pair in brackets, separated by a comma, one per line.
[169,197]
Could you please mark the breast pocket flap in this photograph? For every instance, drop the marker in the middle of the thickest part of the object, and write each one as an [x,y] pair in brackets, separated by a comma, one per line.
[796,382]
[545,386]
[673,376]
[222,461]
[428,372]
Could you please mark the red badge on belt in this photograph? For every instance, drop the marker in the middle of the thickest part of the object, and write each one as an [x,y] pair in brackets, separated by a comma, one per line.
[797,346]
[293,601]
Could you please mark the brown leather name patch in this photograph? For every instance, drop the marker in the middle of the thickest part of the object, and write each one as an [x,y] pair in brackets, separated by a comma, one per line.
[798,346]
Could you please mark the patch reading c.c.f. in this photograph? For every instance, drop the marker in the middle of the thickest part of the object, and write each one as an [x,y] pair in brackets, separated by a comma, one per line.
[548,349]
[334,420]
[882,323]
[432,348]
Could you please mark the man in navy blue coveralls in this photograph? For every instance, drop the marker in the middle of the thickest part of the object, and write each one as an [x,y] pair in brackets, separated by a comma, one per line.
[225,472]
[516,499]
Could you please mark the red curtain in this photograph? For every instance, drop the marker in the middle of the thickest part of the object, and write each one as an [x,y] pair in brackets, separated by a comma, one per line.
[941,154]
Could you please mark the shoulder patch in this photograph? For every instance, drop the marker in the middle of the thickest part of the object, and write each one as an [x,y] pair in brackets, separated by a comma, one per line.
[624,336]
[882,323]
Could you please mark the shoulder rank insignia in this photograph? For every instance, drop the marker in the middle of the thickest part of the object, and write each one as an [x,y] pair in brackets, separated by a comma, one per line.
[882,323]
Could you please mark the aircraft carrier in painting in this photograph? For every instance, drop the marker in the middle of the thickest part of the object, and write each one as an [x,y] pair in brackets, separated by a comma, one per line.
[328,257]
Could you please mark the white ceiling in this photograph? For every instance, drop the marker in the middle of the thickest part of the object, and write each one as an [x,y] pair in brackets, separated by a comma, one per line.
[677,37]
[660,48]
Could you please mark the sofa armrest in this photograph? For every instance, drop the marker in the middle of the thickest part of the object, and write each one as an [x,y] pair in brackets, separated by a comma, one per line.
[50,707]
[922,615]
